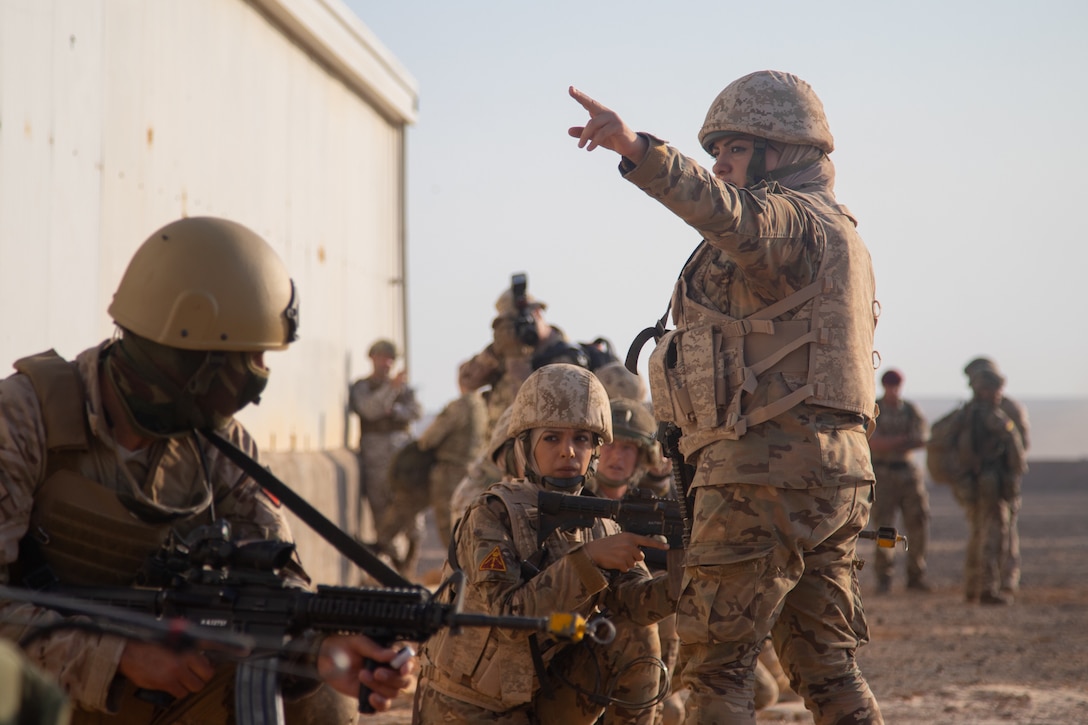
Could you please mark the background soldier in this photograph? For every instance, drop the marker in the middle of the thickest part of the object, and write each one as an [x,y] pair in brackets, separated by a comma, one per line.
[518,334]
[900,429]
[774,413]
[386,407]
[994,449]
[101,461]
[454,438]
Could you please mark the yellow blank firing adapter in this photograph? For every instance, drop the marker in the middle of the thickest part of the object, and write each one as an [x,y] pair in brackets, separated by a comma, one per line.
[886,537]
[574,627]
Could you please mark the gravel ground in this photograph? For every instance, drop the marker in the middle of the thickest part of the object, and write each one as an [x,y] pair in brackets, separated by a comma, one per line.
[934,659]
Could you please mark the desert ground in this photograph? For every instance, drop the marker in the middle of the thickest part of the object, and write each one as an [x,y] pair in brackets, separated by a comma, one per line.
[936,660]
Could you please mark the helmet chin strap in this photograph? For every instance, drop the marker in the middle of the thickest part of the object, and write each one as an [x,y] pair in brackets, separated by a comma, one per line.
[757,165]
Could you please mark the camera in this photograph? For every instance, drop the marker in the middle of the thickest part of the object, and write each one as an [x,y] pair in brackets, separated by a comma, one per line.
[524,322]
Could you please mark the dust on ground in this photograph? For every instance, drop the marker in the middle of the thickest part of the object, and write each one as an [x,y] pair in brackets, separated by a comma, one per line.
[936,660]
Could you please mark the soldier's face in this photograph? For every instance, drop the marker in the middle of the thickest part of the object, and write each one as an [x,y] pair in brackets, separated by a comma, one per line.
[564,452]
[732,156]
[382,364]
[618,460]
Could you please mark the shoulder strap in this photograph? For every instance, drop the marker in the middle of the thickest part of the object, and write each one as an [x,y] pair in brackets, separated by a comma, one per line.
[60,393]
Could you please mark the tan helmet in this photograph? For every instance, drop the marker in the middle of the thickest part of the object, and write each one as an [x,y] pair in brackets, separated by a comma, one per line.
[561,395]
[208,284]
[768,104]
[499,434]
[506,308]
[632,421]
[620,382]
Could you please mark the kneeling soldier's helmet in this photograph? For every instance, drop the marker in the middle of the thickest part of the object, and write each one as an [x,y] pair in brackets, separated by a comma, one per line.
[562,396]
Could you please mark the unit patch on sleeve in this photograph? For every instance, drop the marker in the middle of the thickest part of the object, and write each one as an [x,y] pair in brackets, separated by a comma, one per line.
[493,561]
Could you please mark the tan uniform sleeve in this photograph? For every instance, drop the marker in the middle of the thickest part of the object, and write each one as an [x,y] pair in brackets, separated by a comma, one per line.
[83,663]
[252,512]
[766,235]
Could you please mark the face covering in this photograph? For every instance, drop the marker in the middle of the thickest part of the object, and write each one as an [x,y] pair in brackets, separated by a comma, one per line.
[168,392]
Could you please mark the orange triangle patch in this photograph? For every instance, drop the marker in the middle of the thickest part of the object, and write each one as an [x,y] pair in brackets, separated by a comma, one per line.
[493,561]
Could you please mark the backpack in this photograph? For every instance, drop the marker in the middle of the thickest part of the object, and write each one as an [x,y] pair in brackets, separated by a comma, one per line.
[943,450]
[411,466]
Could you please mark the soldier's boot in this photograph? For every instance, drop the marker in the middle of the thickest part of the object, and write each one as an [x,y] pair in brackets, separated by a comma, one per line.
[883,584]
[919,583]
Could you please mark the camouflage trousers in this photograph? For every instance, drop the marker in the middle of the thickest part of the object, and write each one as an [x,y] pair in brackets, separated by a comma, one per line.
[902,490]
[993,545]
[628,670]
[376,451]
[214,705]
[782,562]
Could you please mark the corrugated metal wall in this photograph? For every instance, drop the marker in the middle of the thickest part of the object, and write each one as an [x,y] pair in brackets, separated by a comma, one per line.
[118,116]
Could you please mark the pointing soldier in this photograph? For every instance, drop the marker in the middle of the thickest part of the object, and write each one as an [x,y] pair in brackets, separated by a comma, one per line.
[768,374]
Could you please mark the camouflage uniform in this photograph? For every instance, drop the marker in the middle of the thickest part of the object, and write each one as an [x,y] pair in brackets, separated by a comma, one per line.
[992,446]
[385,417]
[37,493]
[901,488]
[489,676]
[769,374]
[456,436]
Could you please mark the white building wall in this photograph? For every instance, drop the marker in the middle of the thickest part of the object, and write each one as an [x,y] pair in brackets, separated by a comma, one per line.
[119,116]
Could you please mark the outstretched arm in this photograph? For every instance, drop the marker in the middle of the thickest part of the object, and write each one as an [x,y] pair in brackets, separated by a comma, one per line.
[605,128]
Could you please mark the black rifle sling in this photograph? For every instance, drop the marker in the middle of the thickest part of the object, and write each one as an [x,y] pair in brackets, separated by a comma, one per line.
[330,532]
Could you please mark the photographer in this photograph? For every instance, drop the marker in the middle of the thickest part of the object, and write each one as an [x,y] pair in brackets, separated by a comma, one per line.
[522,340]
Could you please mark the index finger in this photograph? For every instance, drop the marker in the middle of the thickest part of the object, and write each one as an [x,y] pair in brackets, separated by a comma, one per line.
[587,103]
[650,542]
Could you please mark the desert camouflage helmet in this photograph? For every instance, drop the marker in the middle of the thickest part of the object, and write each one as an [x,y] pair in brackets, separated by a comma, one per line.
[620,382]
[768,104]
[499,434]
[561,395]
[208,284]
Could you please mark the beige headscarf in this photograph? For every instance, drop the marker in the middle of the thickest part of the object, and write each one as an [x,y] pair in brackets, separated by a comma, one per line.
[800,166]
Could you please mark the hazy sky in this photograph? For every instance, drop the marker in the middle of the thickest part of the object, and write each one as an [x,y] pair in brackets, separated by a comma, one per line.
[961,146]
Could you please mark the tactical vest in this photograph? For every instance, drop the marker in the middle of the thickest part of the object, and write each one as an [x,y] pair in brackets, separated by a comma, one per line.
[491,668]
[702,372]
[78,528]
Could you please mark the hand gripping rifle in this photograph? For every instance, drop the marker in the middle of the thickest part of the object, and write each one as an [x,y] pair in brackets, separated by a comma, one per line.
[639,513]
[240,592]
